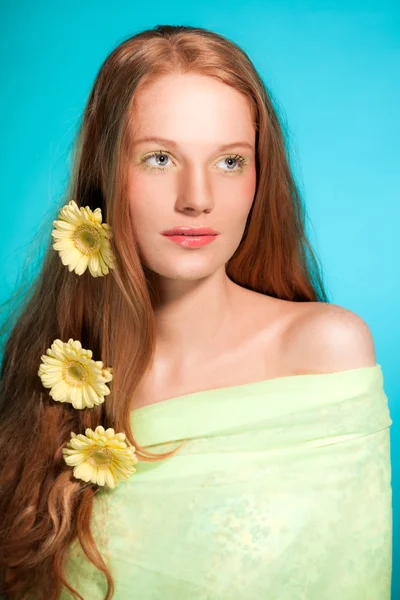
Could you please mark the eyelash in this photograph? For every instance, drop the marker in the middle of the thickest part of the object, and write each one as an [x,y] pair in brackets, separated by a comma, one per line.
[241,159]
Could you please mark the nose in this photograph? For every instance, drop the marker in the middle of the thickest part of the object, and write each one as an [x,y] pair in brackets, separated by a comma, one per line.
[194,193]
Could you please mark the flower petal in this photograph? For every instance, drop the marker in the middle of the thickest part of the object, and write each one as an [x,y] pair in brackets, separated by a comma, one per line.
[73,376]
[113,462]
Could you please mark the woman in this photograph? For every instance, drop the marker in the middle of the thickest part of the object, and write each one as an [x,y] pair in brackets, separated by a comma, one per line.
[183,413]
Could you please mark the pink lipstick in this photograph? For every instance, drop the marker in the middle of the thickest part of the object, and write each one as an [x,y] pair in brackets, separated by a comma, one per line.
[191,237]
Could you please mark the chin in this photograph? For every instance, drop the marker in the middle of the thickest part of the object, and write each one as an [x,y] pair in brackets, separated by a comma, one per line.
[185,272]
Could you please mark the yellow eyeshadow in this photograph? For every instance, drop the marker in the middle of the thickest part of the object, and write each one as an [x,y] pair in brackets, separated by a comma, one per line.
[242,161]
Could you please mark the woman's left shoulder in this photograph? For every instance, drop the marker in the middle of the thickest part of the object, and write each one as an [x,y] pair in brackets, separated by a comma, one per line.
[327,337]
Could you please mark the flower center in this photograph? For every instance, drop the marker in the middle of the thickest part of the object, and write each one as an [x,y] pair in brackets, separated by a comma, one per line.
[99,457]
[87,239]
[75,373]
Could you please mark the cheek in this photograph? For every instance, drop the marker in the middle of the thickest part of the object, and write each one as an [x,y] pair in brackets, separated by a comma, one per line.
[244,193]
[146,200]
[250,184]
[144,213]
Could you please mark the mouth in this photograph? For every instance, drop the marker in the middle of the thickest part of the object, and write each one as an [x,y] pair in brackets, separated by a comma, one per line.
[188,231]
[191,234]
[191,240]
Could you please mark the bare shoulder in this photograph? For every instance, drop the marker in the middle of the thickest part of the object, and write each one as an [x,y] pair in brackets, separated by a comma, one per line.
[325,337]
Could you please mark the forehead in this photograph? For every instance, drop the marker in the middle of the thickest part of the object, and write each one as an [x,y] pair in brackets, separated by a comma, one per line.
[191,107]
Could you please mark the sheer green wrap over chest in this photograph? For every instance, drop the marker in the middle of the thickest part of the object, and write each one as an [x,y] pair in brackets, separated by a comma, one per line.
[281,492]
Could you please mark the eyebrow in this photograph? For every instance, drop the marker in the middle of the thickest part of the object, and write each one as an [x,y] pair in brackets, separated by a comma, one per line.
[162,140]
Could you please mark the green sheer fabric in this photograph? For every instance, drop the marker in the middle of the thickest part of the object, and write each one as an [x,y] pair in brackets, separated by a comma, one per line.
[281,492]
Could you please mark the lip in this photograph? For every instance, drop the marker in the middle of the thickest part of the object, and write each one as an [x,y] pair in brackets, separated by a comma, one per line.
[190,230]
[192,241]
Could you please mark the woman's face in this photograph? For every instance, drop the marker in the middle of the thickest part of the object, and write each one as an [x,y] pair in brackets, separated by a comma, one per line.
[190,181]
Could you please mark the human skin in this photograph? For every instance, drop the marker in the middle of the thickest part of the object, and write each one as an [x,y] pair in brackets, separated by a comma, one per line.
[198,186]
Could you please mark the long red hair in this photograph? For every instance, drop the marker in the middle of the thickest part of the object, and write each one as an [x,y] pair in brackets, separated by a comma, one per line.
[43,507]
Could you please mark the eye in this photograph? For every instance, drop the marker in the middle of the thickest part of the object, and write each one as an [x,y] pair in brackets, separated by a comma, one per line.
[164,156]
[241,161]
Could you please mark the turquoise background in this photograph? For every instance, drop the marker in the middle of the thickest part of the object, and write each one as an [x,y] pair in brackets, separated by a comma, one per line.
[333,70]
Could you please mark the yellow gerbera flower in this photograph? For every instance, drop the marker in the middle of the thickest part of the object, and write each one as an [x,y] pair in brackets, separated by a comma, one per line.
[100,456]
[82,240]
[72,375]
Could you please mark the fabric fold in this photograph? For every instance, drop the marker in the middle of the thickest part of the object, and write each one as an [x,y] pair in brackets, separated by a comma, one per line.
[282,490]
